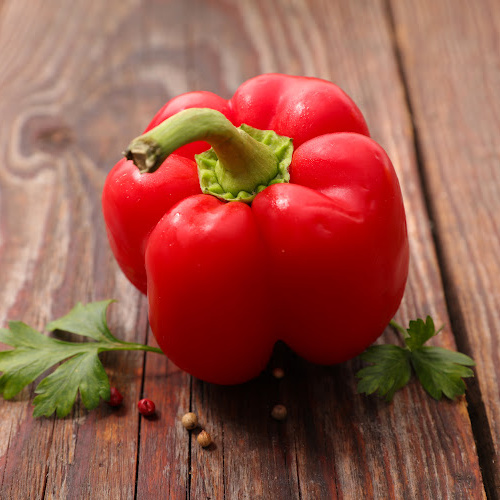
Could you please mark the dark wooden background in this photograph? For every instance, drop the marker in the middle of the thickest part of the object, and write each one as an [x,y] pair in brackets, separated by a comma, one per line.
[79,78]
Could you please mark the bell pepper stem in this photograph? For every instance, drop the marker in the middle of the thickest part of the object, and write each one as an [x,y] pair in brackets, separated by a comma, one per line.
[242,162]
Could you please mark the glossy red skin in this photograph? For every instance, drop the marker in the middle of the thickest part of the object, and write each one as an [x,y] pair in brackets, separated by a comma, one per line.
[337,244]
[209,305]
[297,107]
[320,263]
[133,204]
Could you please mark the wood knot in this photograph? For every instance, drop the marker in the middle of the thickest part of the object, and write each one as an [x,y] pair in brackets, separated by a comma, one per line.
[49,134]
[54,139]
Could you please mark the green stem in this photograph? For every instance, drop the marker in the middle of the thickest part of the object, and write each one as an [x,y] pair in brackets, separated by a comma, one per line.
[398,327]
[150,150]
[244,160]
[122,346]
[106,346]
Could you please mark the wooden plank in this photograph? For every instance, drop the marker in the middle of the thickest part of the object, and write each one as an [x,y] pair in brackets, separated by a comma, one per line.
[161,65]
[62,107]
[69,98]
[331,444]
[164,465]
[451,60]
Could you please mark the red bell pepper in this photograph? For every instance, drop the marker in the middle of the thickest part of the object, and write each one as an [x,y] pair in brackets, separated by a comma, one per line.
[310,249]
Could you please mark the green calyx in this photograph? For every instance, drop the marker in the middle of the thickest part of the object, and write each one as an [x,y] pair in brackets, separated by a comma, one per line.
[242,162]
[244,185]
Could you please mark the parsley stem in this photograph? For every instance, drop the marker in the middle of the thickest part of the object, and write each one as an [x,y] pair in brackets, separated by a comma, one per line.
[398,327]
[130,346]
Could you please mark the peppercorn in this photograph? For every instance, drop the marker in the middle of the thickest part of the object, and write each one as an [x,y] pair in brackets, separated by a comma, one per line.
[279,412]
[115,398]
[146,407]
[190,421]
[204,439]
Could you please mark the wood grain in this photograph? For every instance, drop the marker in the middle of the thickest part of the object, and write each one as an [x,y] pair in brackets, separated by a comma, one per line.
[60,107]
[77,81]
[270,46]
[458,122]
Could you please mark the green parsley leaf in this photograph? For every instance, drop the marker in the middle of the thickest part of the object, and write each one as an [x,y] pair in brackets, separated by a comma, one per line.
[34,354]
[81,370]
[57,392]
[439,370]
[88,320]
[419,332]
[391,370]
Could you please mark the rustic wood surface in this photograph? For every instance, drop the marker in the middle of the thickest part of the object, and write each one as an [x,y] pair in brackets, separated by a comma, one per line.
[79,79]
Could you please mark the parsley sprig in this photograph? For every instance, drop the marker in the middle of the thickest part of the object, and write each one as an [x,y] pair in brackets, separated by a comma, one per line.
[439,370]
[81,369]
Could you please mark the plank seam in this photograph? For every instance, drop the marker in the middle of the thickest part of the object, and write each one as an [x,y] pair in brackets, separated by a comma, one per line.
[139,428]
[475,406]
[6,456]
[190,443]
[139,423]
[46,473]
[297,469]
[223,464]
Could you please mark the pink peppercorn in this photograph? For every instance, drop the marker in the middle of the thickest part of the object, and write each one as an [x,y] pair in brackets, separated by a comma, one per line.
[146,407]
[115,398]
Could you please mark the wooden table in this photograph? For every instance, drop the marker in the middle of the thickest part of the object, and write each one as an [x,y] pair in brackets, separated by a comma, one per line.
[79,79]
